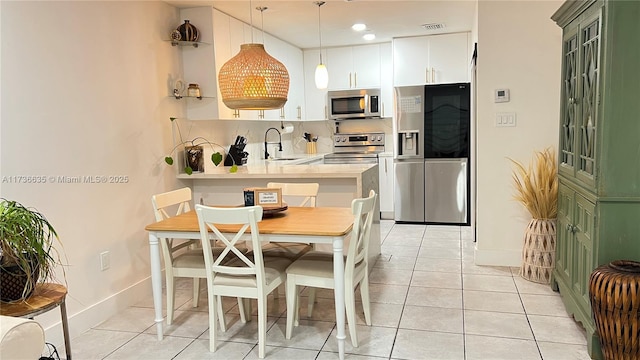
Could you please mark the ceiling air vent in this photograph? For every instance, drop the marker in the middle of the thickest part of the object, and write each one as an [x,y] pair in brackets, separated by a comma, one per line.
[432,26]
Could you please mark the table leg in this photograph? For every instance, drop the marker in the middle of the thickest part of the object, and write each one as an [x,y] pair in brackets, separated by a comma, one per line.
[65,329]
[338,278]
[156,281]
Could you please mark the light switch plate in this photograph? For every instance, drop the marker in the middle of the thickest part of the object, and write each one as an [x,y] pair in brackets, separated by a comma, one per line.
[506,119]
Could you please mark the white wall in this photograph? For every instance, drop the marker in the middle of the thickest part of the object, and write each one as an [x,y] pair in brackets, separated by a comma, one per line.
[519,48]
[84,93]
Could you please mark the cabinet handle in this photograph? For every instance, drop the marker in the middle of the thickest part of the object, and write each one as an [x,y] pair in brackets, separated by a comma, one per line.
[573,101]
[236,113]
[385,165]
[355,79]
[350,81]
[326,116]
[572,228]
[299,112]
[282,112]
[433,75]
[426,75]
[382,108]
[260,114]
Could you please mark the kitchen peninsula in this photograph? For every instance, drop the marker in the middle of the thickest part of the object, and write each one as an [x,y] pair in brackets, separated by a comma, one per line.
[339,184]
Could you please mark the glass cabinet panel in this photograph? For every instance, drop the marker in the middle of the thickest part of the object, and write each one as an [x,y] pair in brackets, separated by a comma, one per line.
[568,121]
[590,61]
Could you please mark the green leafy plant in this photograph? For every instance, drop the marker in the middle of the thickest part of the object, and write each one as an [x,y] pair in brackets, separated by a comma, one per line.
[216,157]
[536,185]
[26,244]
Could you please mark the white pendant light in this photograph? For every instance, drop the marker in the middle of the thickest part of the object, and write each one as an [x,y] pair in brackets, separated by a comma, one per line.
[322,75]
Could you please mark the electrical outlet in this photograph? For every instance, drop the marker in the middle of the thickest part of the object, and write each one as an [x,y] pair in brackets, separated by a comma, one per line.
[105,260]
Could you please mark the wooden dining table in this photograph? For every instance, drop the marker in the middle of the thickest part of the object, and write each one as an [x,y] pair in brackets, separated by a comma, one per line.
[315,225]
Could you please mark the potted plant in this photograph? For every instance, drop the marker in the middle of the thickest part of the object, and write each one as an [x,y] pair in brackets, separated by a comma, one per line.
[536,188]
[193,152]
[27,255]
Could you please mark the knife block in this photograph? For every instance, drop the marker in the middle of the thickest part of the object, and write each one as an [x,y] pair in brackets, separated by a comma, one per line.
[236,155]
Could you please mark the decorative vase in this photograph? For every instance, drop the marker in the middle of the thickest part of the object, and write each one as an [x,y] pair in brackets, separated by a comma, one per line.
[614,291]
[194,157]
[188,32]
[539,251]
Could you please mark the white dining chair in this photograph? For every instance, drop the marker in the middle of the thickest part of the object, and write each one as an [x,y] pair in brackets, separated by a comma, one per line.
[304,194]
[180,260]
[247,275]
[315,269]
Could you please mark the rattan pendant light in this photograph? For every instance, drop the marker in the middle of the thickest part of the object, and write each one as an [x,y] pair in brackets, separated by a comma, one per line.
[253,79]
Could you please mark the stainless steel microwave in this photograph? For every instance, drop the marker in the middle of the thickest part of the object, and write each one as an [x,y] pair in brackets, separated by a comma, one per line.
[354,104]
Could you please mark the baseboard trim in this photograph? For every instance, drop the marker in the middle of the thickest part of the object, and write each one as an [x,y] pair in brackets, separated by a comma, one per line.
[95,314]
[498,257]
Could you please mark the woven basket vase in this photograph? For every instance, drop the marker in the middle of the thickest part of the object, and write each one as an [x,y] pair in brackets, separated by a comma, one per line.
[539,250]
[614,291]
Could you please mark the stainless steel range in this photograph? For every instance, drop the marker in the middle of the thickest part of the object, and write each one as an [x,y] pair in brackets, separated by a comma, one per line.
[356,148]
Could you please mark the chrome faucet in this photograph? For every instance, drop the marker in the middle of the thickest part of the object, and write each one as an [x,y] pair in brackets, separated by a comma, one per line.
[266,153]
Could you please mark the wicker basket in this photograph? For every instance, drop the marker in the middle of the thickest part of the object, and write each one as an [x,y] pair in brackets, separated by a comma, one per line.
[614,291]
[539,250]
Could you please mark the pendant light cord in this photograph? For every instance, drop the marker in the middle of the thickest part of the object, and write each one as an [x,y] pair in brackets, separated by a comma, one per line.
[251,19]
[320,3]
[262,9]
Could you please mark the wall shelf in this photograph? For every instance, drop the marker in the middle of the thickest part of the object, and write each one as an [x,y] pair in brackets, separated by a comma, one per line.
[195,44]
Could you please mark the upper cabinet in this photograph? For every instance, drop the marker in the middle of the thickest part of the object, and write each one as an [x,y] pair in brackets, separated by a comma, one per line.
[354,67]
[434,59]
[291,57]
[315,99]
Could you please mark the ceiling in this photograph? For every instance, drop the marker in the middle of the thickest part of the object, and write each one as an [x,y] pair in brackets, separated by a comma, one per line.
[297,21]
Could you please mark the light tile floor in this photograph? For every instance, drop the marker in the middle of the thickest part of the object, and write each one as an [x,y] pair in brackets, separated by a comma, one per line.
[429,302]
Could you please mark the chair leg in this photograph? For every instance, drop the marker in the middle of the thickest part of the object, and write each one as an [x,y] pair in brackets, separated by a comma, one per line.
[196,291]
[350,304]
[212,317]
[312,300]
[171,298]
[262,324]
[242,311]
[221,319]
[65,329]
[366,301]
[292,305]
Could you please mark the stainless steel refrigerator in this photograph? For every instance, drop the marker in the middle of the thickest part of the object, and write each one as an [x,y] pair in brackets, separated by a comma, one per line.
[431,153]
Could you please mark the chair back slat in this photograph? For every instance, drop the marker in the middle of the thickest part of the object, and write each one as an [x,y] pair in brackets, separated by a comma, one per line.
[239,263]
[161,202]
[307,192]
[363,210]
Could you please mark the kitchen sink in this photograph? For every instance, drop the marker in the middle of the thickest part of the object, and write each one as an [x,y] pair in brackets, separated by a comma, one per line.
[283,159]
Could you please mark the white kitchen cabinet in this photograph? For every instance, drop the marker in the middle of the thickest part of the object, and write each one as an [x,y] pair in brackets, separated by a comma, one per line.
[291,57]
[315,99]
[385,171]
[354,67]
[434,59]
[202,65]
[386,79]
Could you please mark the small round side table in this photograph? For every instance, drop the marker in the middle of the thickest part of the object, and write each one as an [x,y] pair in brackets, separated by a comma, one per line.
[45,297]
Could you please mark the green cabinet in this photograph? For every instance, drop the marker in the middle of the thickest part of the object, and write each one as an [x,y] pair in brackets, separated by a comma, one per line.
[599,150]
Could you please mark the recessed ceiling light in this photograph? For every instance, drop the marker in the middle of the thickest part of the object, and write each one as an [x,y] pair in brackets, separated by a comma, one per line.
[369,36]
[358,27]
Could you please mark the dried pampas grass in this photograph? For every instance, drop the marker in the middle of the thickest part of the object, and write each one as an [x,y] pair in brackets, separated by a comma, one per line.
[537,185]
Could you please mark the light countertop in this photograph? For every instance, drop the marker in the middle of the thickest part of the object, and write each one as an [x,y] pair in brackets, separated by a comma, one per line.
[284,169]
